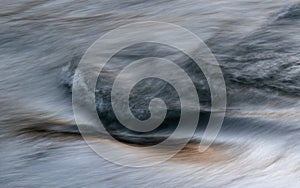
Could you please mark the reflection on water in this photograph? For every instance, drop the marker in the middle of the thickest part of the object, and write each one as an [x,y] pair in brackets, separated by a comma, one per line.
[256,43]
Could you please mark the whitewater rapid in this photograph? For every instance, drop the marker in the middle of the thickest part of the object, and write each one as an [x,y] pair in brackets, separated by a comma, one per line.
[257,44]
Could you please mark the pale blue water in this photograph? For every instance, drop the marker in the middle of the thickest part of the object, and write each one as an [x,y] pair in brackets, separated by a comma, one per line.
[257,44]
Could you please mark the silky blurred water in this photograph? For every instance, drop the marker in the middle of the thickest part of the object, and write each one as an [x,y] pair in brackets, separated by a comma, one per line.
[257,44]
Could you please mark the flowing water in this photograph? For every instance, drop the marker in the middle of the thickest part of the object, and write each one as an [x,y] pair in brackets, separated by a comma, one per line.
[257,44]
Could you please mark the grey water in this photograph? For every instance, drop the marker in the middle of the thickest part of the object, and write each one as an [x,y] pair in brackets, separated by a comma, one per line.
[257,44]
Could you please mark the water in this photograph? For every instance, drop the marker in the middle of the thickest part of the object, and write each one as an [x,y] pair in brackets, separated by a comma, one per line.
[257,44]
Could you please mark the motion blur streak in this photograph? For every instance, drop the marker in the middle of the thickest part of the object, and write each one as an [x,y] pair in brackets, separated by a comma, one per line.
[257,44]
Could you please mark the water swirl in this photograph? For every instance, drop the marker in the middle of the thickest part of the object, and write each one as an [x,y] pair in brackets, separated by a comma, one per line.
[95,58]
